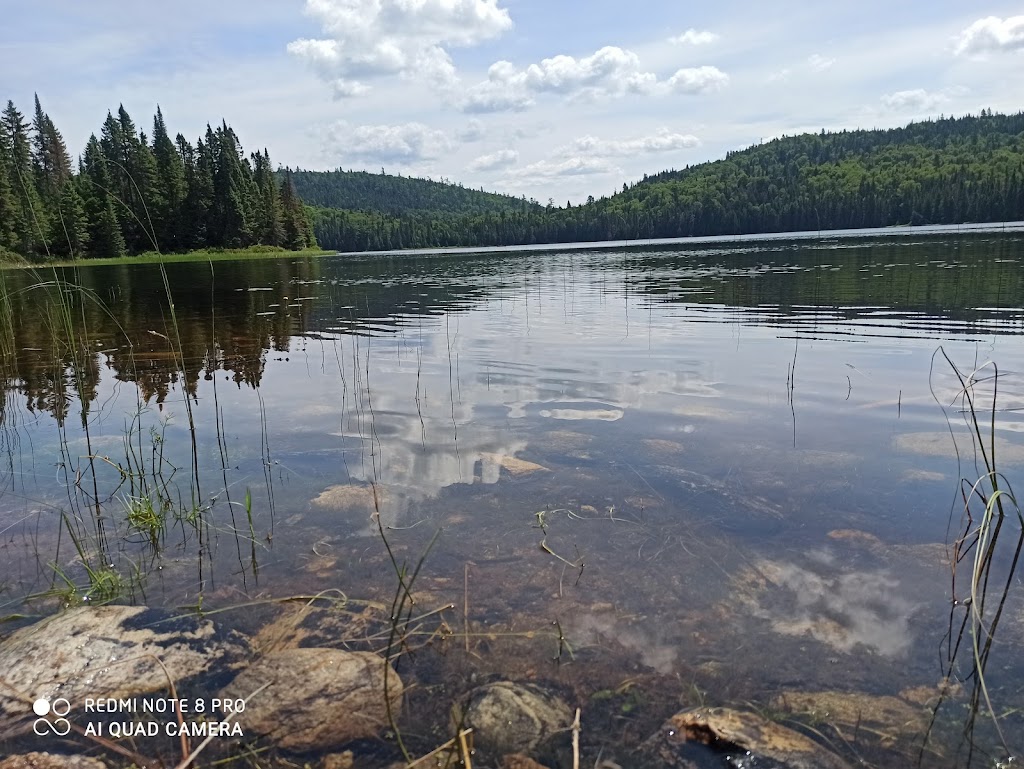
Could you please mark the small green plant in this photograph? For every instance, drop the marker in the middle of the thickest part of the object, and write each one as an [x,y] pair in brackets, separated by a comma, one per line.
[146,518]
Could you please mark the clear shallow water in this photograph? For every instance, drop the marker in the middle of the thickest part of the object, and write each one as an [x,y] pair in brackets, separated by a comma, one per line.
[742,481]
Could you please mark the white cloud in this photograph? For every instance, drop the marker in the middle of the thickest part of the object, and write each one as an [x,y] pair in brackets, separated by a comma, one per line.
[992,35]
[553,169]
[915,100]
[695,80]
[499,159]
[406,143]
[610,71]
[819,63]
[661,141]
[371,38]
[694,37]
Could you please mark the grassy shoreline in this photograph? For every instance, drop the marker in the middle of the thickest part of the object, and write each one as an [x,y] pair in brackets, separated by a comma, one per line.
[15,261]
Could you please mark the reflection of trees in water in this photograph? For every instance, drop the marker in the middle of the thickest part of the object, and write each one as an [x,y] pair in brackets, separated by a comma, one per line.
[966,279]
[229,317]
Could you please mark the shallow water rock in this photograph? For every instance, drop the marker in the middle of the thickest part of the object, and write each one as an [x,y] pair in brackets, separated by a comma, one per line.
[769,744]
[344,760]
[509,717]
[106,651]
[519,761]
[50,761]
[940,444]
[317,699]
[886,718]
[351,497]
[514,467]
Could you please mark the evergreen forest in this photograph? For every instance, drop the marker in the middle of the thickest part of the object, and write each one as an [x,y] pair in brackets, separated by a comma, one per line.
[945,171]
[132,193]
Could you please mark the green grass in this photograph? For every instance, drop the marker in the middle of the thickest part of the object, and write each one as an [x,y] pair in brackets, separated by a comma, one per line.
[8,260]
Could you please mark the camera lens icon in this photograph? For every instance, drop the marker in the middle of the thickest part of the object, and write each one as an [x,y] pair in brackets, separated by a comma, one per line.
[59,708]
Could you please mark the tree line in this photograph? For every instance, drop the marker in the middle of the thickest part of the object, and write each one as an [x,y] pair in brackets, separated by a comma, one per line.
[361,190]
[131,193]
[944,171]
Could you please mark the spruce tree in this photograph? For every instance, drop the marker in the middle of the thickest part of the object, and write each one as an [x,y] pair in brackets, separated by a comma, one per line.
[50,157]
[29,234]
[233,192]
[271,228]
[104,229]
[171,188]
[199,192]
[8,240]
[298,233]
[69,223]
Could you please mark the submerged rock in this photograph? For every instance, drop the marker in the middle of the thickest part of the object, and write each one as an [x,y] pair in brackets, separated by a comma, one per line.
[351,497]
[767,743]
[317,699]
[940,444]
[50,761]
[519,761]
[852,713]
[508,717]
[514,467]
[106,652]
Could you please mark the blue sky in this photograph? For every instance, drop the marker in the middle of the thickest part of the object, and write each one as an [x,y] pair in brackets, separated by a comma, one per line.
[542,98]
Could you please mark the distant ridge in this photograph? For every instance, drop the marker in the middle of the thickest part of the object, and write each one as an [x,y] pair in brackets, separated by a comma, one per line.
[396,195]
[946,171]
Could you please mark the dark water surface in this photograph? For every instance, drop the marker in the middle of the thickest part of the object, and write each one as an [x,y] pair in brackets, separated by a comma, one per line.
[743,481]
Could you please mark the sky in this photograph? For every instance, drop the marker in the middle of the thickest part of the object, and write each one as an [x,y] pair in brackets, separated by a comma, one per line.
[549,99]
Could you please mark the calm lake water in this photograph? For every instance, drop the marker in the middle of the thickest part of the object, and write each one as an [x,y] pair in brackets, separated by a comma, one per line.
[657,474]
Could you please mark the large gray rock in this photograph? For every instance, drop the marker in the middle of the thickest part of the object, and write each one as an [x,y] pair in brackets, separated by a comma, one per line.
[317,699]
[50,761]
[99,652]
[508,717]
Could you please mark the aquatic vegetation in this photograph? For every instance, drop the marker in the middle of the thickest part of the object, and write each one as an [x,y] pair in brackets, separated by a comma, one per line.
[985,553]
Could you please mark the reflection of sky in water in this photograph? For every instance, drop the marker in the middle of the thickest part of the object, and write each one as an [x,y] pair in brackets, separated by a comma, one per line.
[752,429]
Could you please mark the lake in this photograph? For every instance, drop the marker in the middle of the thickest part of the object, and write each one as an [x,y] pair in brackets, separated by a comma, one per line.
[656,475]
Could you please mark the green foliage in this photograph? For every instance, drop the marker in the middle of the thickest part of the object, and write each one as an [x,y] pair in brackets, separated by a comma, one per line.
[397,195]
[946,171]
[24,204]
[132,195]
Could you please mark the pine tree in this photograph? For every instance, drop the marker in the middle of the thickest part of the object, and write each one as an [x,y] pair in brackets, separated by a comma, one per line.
[171,188]
[29,237]
[199,192]
[269,205]
[69,223]
[233,191]
[50,157]
[104,229]
[132,171]
[8,240]
[298,233]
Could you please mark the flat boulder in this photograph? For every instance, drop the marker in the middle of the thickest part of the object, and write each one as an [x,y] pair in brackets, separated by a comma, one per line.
[50,761]
[113,652]
[316,699]
[509,717]
[688,735]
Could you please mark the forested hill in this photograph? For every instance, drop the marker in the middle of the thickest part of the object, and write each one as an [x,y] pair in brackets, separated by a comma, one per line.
[360,190]
[933,172]
[946,171]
